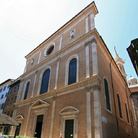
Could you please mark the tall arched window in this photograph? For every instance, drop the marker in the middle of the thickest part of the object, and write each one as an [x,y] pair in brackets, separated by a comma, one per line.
[119,106]
[107,95]
[45,81]
[127,113]
[26,90]
[72,71]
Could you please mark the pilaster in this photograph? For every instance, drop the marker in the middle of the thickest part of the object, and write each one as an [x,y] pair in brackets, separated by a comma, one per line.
[94,58]
[86,25]
[88,113]
[52,119]
[60,43]
[39,58]
[87,61]
[34,84]
[97,112]
[92,20]
[57,69]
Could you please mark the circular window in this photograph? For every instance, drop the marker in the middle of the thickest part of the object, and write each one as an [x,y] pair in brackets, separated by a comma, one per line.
[50,49]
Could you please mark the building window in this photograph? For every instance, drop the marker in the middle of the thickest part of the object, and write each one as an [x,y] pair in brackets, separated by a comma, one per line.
[45,81]
[119,106]
[127,113]
[6,94]
[8,113]
[11,90]
[2,96]
[49,49]
[2,106]
[11,113]
[8,101]
[11,100]
[72,71]
[1,90]
[14,89]
[18,87]
[26,91]
[4,88]
[107,95]
[15,99]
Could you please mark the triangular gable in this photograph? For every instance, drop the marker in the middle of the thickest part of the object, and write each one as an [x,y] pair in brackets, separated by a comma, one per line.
[39,104]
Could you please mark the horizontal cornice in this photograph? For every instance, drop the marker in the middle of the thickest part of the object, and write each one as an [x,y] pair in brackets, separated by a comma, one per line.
[92,82]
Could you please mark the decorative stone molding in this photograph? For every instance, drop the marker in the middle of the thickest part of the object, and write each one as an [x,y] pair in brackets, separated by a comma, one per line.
[36,71]
[91,88]
[93,40]
[69,111]
[88,88]
[72,33]
[96,87]
[32,61]
[66,113]
[39,104]
[19,118]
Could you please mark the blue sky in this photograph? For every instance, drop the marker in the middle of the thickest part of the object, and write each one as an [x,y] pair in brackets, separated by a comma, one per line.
[24,24]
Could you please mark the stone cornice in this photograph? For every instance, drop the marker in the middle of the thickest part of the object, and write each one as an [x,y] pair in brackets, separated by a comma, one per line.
[92,82]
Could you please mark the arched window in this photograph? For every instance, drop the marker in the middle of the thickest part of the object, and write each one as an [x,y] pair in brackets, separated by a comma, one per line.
[26,90]
[119,106]
[45,81]
[127,113]
[72,71]
[107,95]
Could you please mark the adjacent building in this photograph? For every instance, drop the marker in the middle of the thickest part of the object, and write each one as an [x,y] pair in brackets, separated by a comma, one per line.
[4,89]
[11,98]
[133,53]
[72,87]
[133,86]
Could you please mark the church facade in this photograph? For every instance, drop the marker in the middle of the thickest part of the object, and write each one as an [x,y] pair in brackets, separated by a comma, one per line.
[73,88]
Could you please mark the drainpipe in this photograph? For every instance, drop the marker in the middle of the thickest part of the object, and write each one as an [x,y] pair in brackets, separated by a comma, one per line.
[113,95]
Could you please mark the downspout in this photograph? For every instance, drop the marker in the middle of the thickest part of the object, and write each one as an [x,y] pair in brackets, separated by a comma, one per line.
[113,95]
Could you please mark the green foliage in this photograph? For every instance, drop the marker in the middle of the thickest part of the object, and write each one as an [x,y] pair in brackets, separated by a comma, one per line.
[9,136]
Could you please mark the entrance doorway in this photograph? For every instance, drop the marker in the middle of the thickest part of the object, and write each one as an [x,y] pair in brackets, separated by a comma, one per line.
[38,126]
[17,131]
[69,125]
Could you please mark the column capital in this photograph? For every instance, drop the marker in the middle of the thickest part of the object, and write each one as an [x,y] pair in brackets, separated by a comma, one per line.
[58,58]
[92,88]
[36,71]
[93,40]
[96,87]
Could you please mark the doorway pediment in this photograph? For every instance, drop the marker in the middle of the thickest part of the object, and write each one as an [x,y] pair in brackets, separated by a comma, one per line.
[39,104]
[69,111]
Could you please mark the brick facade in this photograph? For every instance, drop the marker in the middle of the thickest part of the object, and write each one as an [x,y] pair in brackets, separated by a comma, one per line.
[84,101]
